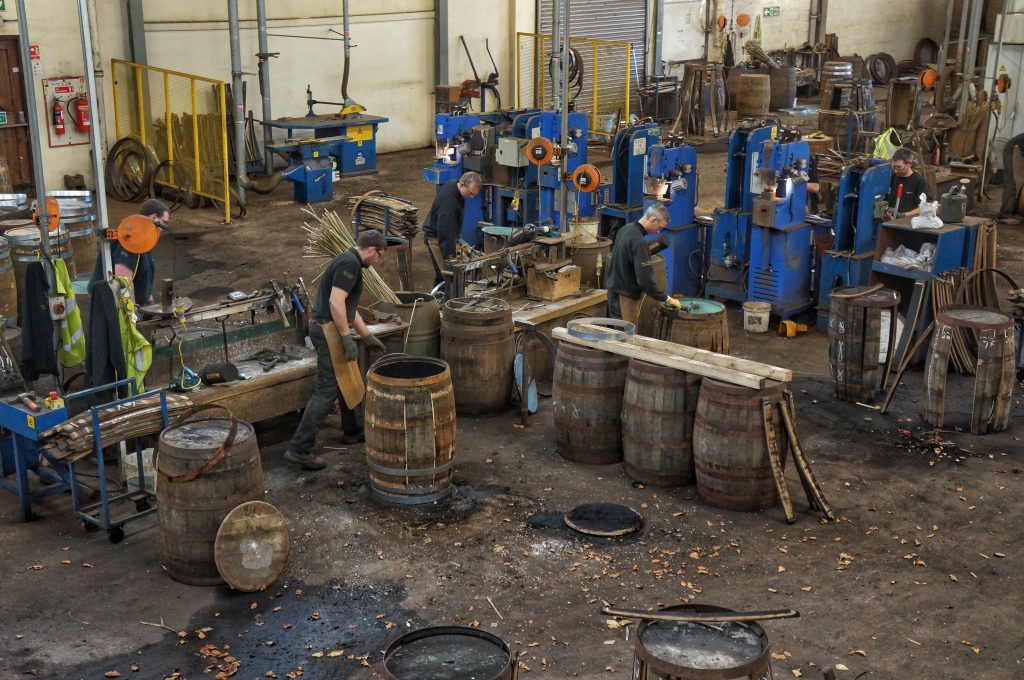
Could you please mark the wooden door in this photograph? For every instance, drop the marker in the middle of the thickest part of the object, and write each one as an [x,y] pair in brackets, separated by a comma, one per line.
[14,133]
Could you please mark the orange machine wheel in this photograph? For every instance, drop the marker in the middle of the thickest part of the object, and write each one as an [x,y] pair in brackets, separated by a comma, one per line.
[52,211]
[587,178]
[137,234]
[540,150]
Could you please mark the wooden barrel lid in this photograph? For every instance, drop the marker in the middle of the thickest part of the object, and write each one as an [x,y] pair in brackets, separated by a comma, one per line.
[978,318]
[603,519]
[252,546]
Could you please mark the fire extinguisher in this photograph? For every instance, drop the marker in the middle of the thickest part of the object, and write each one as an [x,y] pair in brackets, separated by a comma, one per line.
[80,114]
[58,117]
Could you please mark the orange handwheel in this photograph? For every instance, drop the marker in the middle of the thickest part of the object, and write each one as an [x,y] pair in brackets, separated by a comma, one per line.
[137,234]
[928,78]
[52,212]
[540,150]
[587,178]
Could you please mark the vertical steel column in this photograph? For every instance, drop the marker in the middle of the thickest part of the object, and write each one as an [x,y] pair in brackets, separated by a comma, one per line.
[236,99]
[969,73]
[563,82]
[441,31]
[264,57]
[940,66]
[94,133]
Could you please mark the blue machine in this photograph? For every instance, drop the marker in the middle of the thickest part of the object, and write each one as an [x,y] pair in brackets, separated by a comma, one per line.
[730,235]
[452,145]
[629,169]
[671,180]
[573,154]
[860,209]
[342,143]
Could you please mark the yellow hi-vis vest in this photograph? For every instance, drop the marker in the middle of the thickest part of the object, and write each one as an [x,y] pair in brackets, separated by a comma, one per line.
[138,353]
[885,145]
[72,338]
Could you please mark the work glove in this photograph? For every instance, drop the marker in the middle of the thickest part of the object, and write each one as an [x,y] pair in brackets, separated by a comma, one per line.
[900,215]
[673,303]
[373,341]
[351,349]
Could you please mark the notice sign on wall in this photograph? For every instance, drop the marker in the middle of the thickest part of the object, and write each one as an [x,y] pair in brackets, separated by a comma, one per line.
[37,60]
[771,11]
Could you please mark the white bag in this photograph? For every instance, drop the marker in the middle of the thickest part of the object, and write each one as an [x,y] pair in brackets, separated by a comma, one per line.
[927,217]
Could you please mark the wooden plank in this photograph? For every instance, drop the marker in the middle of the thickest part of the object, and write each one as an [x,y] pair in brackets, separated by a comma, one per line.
[553,310]
[775,459]
[680,363]
[803,467]
[712,358]
[283,389]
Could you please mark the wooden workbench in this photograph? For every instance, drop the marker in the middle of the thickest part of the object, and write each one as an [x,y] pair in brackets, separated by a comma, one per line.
[546,316]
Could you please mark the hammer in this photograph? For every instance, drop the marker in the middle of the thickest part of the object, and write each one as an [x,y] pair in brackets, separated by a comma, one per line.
[27,398]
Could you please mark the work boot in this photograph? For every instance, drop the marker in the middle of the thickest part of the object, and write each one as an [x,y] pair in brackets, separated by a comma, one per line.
[354,438]
[306,460]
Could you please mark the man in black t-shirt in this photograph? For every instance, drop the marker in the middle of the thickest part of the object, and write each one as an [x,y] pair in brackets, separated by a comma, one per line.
[337,302]
[913,183]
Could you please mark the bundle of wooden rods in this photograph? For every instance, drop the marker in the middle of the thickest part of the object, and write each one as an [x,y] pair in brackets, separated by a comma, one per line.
[328,237]
[375,207]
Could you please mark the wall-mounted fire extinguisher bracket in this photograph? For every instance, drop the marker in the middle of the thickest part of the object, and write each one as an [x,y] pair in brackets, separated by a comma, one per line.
[66,103]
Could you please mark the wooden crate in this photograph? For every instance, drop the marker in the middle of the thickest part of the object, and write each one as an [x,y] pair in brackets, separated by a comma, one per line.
[547,283]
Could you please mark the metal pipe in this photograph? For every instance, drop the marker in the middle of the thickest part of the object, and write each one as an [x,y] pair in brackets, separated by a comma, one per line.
[944,47]
[236,99]
[812,20]
[995,74]
[441,34]
[34,135]
[709,10]
[964,12]
[969,74]
[97,69]
[563,190]
[264,57]
[94,133]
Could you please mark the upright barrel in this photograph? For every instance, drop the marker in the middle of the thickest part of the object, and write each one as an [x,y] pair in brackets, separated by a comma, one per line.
[658,407]
[421,312]
[478,344]
[25,247]
[8,287]
[753,96]
[586,393]
[783,87]
[855,339]
[729,449]
[205,468]
[410,429]
[697,323]
[80,220]
[586,256]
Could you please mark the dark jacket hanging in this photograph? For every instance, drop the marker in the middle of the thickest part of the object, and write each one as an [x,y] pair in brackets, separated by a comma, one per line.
[104,354]
[38,353]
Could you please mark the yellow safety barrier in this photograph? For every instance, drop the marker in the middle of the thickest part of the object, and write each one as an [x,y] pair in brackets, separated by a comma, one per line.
[181,118]
[602,90]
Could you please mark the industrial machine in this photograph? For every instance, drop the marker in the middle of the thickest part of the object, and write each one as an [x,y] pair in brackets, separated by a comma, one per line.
[671,180]
[550,154]
[761,242]
[626,192]
[860,209]
[452,134]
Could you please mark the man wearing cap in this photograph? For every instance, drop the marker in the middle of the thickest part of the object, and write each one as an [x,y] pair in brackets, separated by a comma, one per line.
[337,302]
[140,269]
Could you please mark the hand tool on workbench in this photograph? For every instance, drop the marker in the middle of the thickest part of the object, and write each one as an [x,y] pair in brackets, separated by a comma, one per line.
[29,399]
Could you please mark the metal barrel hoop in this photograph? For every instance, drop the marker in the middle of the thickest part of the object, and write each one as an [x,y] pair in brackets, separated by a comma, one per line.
[222,451]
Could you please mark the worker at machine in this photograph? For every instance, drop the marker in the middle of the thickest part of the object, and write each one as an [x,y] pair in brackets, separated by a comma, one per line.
[1008,211]
[444,221]
[139,268]
[337,302]
[906,186]
[630,272]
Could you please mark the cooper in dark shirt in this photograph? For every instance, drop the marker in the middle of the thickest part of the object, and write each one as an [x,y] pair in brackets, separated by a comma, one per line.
[913,183]
[444,221]
[630,272]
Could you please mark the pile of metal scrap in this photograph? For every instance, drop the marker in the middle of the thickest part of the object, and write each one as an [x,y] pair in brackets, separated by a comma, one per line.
[388,214]
[72,440]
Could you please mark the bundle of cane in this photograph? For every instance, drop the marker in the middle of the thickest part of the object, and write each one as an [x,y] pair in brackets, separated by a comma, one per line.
[327,238]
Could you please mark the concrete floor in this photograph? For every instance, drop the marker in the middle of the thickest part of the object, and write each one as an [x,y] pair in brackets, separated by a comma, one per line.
[918,578]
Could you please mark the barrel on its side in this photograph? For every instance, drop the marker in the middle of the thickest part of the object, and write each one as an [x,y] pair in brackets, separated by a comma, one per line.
[658,407]
[585,256]
[8,287]
[753,95]
[410,429]
[190,511]
[587,390]
[421,312]
[729,449]
[478,343]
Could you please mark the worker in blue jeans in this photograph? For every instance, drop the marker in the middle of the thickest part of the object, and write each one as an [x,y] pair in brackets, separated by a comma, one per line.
[337,302]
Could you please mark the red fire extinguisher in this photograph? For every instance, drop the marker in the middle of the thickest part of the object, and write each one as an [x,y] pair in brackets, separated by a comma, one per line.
[81,114]
[58,117]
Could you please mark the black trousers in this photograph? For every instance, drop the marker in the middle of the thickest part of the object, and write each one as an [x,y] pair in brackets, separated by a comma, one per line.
[614,310]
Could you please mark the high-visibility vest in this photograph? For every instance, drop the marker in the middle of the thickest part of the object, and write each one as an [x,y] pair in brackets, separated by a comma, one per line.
[72,338]
[885,146]
[138,353]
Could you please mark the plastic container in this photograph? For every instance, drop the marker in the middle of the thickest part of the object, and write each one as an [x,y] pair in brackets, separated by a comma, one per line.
[130,469]
[755,316]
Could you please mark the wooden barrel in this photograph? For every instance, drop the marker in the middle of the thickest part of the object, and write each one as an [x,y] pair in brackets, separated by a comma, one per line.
[410,429]
[8,287]
[658,407]
[992,333]
[753,95]
[195,491]
[729,449]
[645,311]
[855,340]
[698,323]
[836,71]
[495,238]
[844,127]
[585,256]
[421,312]
[449,653]
[23,241]
[732,85]
[80,220]
[478,343]
[783,87]
[586,394]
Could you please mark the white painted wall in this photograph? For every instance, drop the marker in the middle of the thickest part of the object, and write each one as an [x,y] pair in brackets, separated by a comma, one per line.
[54,26]
[682,34]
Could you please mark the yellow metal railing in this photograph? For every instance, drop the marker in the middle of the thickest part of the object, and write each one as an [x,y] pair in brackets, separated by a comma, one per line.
[181,118]
[603,91]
